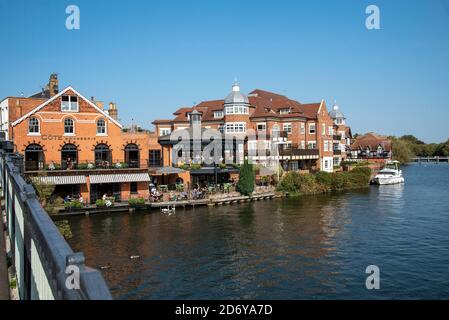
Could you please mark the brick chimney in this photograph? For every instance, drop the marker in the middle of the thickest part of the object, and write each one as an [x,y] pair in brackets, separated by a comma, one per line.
[53,85]
[113,111]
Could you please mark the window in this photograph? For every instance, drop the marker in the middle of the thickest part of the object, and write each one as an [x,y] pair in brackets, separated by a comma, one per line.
[101,126]
[164,131]
[312,128]
[303,144]
[311,145]
[235,127]
[68,126]
[221,128]
[261,127]
[155,158]
[133,187]
[236,109]
[326,164]
[331,131]
[324,129]
[303,128]
[288,127]
[284,111]
[33,125]
[326,145]
[218,114]
[69,103]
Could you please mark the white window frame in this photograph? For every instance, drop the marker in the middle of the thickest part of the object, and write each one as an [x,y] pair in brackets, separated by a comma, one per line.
[303,128]
[331,130]
[264,124]
[323,129]
[164,131]
[73,127]
[38,133]
[235,127]
[68,107]
[218,114]
[105,133]
[311,143]
[303,144]
[312,125]
[236,109]
[288,125]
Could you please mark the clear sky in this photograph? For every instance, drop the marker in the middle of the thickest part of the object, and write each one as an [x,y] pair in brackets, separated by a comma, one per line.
[152,57]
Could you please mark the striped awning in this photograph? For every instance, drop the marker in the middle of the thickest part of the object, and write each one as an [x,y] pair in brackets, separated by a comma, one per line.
[116,178]
[57,180]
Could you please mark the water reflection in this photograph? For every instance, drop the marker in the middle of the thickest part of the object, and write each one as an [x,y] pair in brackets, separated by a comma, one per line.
[308,247]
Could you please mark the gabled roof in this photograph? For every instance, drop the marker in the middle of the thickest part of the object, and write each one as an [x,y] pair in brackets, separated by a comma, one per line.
[372,141]
[39,107]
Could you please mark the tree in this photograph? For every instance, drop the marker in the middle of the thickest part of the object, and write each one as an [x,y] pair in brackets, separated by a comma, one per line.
[402,150]
[246,179]
[43,190]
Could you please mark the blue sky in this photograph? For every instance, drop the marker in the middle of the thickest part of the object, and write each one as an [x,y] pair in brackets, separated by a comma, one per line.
[152,57]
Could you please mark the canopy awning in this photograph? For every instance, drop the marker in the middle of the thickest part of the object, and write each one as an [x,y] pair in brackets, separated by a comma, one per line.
[169,170]
[58,180]
[117,178]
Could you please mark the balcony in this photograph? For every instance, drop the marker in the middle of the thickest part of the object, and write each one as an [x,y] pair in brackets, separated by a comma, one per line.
[337,152]
[34,166]
[337,137]
[299,152]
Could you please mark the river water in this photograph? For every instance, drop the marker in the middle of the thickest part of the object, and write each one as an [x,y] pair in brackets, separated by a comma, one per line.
[312,247]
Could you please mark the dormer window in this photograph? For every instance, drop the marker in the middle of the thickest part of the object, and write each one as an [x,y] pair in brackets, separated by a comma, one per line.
[69,103]
[218,114]
[284,111]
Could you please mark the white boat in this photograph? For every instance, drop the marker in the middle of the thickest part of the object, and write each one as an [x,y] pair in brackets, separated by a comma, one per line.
[390,174]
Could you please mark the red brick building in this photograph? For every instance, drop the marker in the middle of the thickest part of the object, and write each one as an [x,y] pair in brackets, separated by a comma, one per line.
[78,145]
[307,130]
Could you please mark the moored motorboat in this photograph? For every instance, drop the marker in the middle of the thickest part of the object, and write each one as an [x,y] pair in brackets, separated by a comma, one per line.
[391,174]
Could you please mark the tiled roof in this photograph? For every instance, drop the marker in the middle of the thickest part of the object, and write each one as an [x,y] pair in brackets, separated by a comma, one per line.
[371,140]
[264,104]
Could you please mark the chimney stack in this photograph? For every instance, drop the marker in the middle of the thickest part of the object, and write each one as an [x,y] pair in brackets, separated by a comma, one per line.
[113,111]
[53,85]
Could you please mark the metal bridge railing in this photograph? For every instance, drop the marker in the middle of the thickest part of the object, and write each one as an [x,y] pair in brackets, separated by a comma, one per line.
[45,265]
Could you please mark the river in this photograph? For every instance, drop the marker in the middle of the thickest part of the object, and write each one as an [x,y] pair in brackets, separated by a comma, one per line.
[312,247]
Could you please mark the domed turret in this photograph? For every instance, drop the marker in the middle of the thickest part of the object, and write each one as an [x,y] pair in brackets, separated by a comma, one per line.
[236,96]
[337,115]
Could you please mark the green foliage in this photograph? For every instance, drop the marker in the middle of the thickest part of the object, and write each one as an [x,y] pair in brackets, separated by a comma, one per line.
[320,182]
[195,166]
[184,166]
[323,177]
[402,150]
[43,190]
[136,202]
[13,283]
[74,204]
[64,228]
[222,166]
[247,179]
[100,203]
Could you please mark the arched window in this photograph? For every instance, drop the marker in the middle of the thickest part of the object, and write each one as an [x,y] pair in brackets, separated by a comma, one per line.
[102,155]
[33,125]
[69,127]
[132,155]
[101,126]
[34,157]
[69,155]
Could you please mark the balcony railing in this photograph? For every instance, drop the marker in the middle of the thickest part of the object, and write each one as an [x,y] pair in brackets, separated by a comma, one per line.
[299,152]
[84,165]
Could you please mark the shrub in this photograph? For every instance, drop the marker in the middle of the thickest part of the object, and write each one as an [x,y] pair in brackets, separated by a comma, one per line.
[100,203]
[195,166]
[222,166]
[246,179]
[136,201]
[73,204]
[325,178]
[184,166]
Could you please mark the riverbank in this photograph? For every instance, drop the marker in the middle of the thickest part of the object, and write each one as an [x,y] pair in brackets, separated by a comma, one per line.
[217,200]
[297,184]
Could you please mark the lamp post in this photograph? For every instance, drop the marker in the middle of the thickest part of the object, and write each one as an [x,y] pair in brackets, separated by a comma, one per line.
[281,141]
